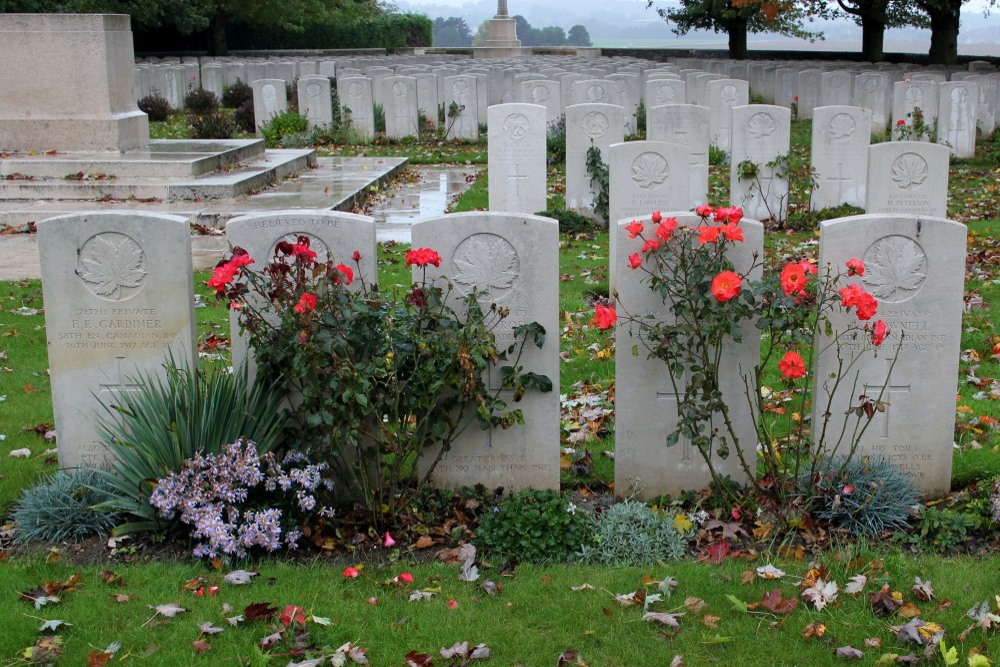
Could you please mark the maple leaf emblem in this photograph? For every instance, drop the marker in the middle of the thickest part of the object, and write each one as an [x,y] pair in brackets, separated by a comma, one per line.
[729,94]
[761,125]
[111,266]
[894,268]
[841,126]
[649,170]
[909,171]
[914,96]
[485,263]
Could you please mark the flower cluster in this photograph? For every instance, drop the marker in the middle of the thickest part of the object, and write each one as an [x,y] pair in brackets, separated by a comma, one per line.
[422,257]
[226,270]
[214,494]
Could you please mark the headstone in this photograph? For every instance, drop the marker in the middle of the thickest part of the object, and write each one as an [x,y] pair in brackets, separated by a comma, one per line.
[914,267]
[269,100]
[517,148]
[461,120]
[546,93]
[355,93]
[646,399]
[509,260]
[723,95]
[598,125]
[840,139]
[909,178]
[663,91]
[761,133]
[332,235]
[213,79]
[628,95]
[118,301]
[785,80]
[687,125]
[593,91]
[400,97]
[836,88]
[871,90]
[987,102]
[958,111]
[427,98]
[314,101]
[807,90]
[173,91]
[908,96]
[645,176]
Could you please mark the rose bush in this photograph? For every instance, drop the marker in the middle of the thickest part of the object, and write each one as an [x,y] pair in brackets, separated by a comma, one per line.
[376,378]
[709,300]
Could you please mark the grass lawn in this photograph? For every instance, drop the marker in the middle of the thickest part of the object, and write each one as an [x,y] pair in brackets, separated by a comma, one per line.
[537,616]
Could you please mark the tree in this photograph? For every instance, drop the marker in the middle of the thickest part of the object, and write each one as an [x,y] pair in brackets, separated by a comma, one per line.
[874,16]
[452,31]
[525,33]
[551,36]
[945,19]
[482,34]
[578,36]
[737,18]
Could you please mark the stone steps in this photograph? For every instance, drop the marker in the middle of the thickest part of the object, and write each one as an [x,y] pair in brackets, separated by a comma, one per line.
[242,178]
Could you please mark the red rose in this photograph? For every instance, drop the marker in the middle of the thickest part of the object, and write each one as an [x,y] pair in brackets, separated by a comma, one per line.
[422,257]
[634,261]
[900,122]
[850,294]
[792,366]
[656,217]
[633,228]
[793,279]
[732,215]
[732,232]
[346,272]
[726,285]
[703,210]
[879,332]
[306,303]
[356,256]
[867,306]
[855,267]
[302,251]
[651,244]
[809,267]
[605,316]
[708,234]
[666,228]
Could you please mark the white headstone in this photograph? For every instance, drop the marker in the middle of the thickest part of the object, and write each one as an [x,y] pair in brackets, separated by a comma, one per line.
[687,125]
[400,99]
[915,268]
[908,96]
[462,119]
[314,100]
[517,147]
[509,259]
[545,93]
[761,133]
[118,301]
[598,125]
[269,100]
[663,91]
[907,177]
[872,91]
[840,139]
[355,93]
[723,95]
[646,399]
[958,112]
[427,99]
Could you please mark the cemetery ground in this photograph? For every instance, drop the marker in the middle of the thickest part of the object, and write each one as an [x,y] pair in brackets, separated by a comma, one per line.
[720,604]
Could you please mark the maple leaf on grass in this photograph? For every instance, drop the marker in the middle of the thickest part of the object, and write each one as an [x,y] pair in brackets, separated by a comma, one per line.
[259,610]
[663,618]
[821,593]
[770,572]
[417,659]
[239,577]
[53,625]
[201,646]
[856,584]
[922,589]
[849,653]
[695,605]
[885,602]
[170,609]
[730,529]
[270,641]
[919,632]
[775,603]
[208,628]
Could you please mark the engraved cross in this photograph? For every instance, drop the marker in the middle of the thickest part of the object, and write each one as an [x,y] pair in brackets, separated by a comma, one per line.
[514,175]
[671,399]
[122,383]
[892,394]
[840,179]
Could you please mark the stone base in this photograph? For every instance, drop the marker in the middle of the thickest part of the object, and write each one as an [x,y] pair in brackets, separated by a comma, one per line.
[499,52]
[120,132]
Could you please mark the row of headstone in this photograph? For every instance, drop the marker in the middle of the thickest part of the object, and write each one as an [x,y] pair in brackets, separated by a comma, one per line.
[914,269]
[113,314]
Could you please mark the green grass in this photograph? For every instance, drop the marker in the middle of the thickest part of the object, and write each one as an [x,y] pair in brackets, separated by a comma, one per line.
[533,619]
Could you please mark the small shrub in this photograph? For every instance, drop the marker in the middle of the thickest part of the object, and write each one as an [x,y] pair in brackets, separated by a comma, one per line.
[379,115]
[61,508]
[201,101]
[717,157]
[298,139]
[155,106]
[214,125]
[640,121]
[281,125]
[236,95]
[571,222]
[535,526]
[940,529]
[555,140]
[235,500]
[632,533]
[865,495]
[244,117]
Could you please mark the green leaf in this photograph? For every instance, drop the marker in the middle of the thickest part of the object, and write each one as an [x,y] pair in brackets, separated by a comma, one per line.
[738,604]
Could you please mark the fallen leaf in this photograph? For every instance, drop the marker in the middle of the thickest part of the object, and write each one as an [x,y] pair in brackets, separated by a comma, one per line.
[208,628]
[821,593]
[849,653]
[774,602]
[663,618]
[259,610]
[170,610]
[201,646]
[856,584]
[239,577]
[53,625]
[770,572]
[582,587]
[710,621]
[815,629]
[695,605]
[922,589]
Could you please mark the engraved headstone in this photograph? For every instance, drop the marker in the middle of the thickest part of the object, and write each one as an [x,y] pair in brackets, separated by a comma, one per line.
[761,133]
[427,98]
[687,125]
[400,99]
[914,267]
[840,139]
[508,259]
[907,177]
[910,95]
[871,90]
[314,101]
[118,301]
[269,100]
[461,104]
[517,158]
[355,93]
[545,93]
[723,95]
[958,112]
[663,91]
[646,398]
[597,125]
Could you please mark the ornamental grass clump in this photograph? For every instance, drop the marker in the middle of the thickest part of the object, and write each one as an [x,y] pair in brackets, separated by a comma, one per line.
[632,533]
[378,377]
[62,508]
[236,501]
[865,495]
[710,300]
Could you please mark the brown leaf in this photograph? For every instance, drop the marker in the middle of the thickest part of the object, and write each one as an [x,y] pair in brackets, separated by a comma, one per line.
[817,629]
[98,658]
[270,641]
[849,653]
[922,589]
[775,603]
[201,645]
[607,612]
[121,598]
[423,542]
[908,610]
[710,621]
[695,605]
[748,577]
[110,578]
[884,603]
[259,610]
[415,659]
[873,642]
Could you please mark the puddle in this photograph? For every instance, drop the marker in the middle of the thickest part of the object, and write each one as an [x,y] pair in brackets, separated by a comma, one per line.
[428,195]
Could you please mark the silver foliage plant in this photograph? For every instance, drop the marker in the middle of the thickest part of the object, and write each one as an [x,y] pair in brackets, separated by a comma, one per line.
[61,508]
[632,533]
